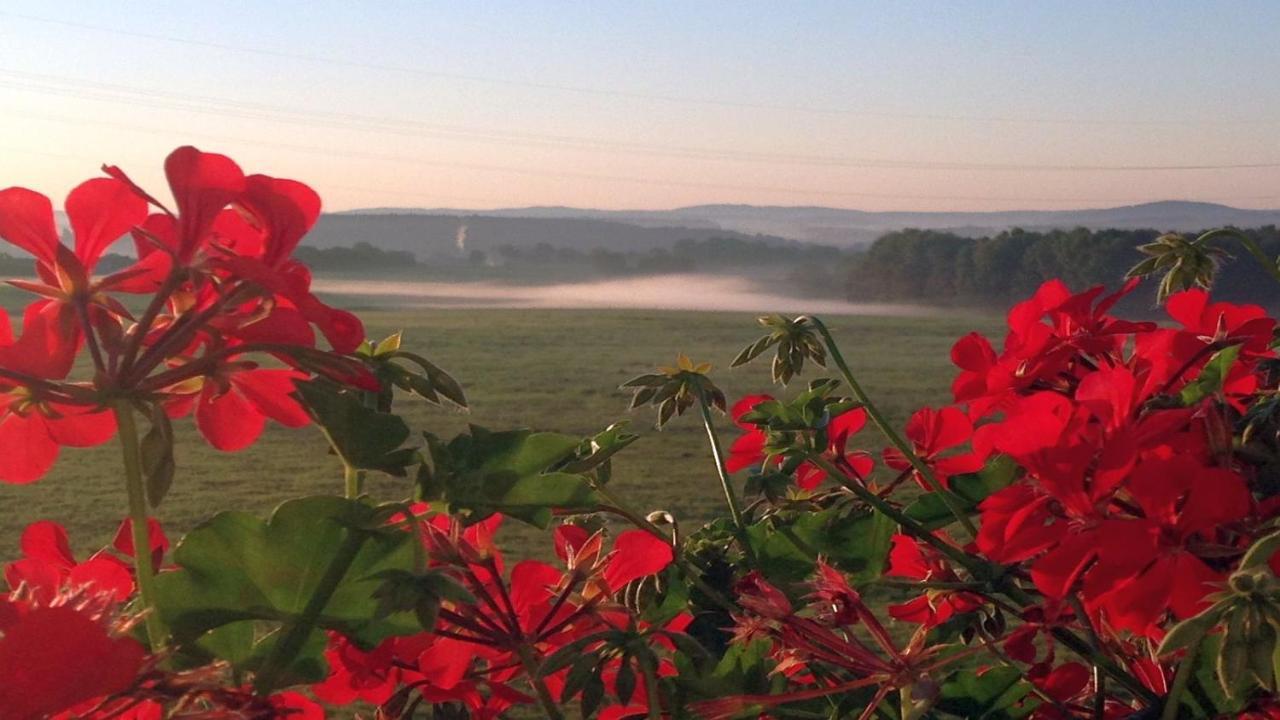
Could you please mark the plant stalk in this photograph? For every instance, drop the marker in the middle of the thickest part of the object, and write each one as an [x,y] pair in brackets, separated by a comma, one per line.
[889,433]
[140,522]
[730,497]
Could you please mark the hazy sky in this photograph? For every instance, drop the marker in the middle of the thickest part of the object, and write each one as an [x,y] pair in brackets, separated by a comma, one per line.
[893,105]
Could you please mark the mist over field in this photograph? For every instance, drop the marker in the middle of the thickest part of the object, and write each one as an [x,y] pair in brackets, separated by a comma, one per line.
[703,292]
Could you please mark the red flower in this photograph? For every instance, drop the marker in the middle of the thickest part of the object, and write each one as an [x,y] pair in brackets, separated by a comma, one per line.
[31,431]
[48,569]
[908,559]
[234,405]
[53,658]
[932,433]
[749,449]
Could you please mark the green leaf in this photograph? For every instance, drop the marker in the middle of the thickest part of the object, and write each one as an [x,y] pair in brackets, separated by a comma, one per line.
[389,345]
[484,472]
[993,695]
[364,438]
[1212,376]
[967,491]
[1260,552]
[857,543]
[156,451]
[236,568]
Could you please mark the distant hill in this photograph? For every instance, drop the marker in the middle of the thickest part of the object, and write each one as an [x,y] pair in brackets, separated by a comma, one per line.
[849,228]
[428,234]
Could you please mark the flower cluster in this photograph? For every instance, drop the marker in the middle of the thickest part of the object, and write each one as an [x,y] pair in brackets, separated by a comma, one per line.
[218,283]
[495,630]
[1091,529]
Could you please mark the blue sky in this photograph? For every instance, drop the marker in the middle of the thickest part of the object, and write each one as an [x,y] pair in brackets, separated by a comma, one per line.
[900,105]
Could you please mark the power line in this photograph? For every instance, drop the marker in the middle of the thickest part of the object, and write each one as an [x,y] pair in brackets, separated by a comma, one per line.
[106,92]
[329,152]
[631,95]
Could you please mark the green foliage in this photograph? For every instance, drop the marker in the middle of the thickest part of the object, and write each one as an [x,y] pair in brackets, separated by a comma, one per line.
[673,390]
[244,584]
[1212,376]
[365,439]
[853,540]
[966,490]
[479,473]
[928,266]
[795,339]
[999,693]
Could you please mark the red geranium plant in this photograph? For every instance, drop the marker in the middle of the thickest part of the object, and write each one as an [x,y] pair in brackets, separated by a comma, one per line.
[1089,531]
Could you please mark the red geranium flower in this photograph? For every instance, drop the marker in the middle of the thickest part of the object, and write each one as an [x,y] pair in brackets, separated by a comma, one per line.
[53,658]
[932,433]
[748,450]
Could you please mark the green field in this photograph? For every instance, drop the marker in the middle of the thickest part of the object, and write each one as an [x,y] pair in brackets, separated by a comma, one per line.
[551,370]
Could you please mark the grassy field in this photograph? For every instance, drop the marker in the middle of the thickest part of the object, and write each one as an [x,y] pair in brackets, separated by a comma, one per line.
[551,370]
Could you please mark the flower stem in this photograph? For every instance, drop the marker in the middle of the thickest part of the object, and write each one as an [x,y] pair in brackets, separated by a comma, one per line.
[652,698]
[1249,244]
[351,479]
[531,666]
[730,497]
[889,433]
[140,522]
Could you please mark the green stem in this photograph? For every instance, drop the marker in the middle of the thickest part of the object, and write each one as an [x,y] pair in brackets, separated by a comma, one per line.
[532,666]
[140,521]
[976,567]
[889,433]
[351,479]
[730,497]
[1249,244]
[295,634]
[651,689]
[1180,680]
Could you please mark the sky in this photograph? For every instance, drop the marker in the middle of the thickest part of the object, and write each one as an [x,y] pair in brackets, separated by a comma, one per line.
[625,105]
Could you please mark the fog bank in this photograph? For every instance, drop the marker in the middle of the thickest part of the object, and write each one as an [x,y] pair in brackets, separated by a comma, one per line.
[661,292]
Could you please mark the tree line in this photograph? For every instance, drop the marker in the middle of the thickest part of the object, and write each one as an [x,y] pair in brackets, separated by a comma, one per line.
[933,266]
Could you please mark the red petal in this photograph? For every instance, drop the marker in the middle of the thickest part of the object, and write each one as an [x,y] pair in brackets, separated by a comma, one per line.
[155,537]
[26,220]
[270,392]
[1187,307]
[744,406]
[47,348]
[284,325]
[906,559]
[569,539]
[636,554]
[845,424]
[202,184]
[29,451]
[74,427]
[101,211]
[746,451]
[227,420]
[103,574]
[46,541]
[286,209]
[54,658]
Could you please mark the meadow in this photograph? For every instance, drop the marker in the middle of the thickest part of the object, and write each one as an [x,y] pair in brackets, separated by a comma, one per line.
[546,369]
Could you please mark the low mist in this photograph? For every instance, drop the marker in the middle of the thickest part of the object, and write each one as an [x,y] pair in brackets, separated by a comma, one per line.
[657,292]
